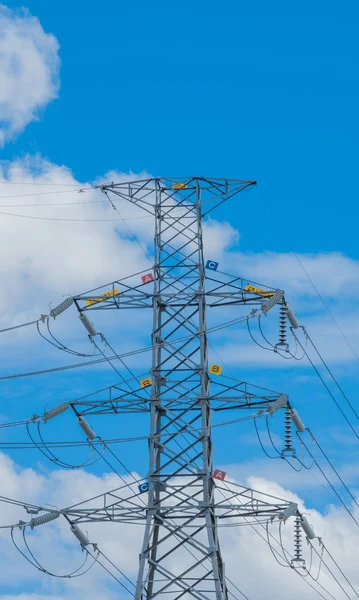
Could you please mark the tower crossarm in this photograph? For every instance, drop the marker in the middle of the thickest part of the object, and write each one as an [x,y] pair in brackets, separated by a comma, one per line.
[136,291]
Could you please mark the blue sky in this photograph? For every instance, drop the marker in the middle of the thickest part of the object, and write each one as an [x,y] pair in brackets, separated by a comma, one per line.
[254,92]
[261,92]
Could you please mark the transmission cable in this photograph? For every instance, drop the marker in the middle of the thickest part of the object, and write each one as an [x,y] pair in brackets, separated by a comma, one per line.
[51,456]
[332,574]
[61,219]
[101,360]
[109,572]
[56,343]
[332,487]
[330,372]
[329,391]
[306,273]
[129,229]
[19,326]
[53,183]
[39,567]
[50,193]
[339,569]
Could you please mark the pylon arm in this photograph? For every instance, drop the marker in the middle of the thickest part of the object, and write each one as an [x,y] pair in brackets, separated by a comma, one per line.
[136,291]
[231,501]
[227,394]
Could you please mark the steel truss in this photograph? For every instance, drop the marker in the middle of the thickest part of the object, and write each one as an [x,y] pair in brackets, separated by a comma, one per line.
[180,555]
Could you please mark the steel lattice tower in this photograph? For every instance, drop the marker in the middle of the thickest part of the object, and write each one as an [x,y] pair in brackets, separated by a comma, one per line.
[179,309]
[180,556]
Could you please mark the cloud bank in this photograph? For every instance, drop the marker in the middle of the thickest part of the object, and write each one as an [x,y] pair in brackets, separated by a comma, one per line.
[29,70]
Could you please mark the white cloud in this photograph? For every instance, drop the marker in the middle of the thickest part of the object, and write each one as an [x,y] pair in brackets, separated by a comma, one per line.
[29,70]
[332,272]
[43,260]
[245,553]
[31,597]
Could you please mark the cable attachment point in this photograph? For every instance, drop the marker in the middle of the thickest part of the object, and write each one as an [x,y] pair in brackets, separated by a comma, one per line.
[277,298]
[80,535]
[307,528]
[288,449]
[86,428]
[87,324]
[53,412]
[281,402]
[282,343]
[298,560]
[50,516]
[55,312]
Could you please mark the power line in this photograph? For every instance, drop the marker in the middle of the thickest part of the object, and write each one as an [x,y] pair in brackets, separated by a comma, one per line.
[331,374]
[32,218]
[130,230]
[37,183]
[110,358]
[331,485]
[306,273]
[41,204]
[328,390]
[51,193]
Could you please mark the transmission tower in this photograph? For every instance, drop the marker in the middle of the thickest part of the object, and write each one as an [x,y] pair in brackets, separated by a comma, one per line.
[184,500]
[181,555]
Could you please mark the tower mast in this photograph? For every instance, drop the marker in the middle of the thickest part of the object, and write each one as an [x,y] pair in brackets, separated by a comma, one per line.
[180,387]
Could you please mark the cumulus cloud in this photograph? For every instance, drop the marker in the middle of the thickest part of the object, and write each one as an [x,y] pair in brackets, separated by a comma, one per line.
[245,552]
[29,70]
[55,241]
[78,242]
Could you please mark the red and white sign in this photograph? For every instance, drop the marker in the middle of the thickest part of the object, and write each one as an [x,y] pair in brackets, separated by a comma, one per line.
[147,278]
[219,475]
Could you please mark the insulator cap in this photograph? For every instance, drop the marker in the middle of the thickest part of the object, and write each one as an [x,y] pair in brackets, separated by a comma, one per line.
[79,534]
[50,516]
[55,312]
[297,420]
[86,428]
[307,528]
[290,511]
[53,412]
[87,323]
[291,317]
[279,403]
[275,299]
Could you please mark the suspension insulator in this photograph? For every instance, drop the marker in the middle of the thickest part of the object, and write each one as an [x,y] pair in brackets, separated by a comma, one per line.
[281,402]
[55,312]
[282,343]
[79,534]
[86,428]
[87,323]
[50,516]
[307,528]
[275,299]
[290,511]
[53,412]
[288,434]
[292,318]
[297,421]
[298,560]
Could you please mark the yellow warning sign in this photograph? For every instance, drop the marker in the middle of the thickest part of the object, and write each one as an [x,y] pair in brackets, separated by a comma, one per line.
[102,297]
[146,382]
[215,369]
[259,291]
[179,186]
